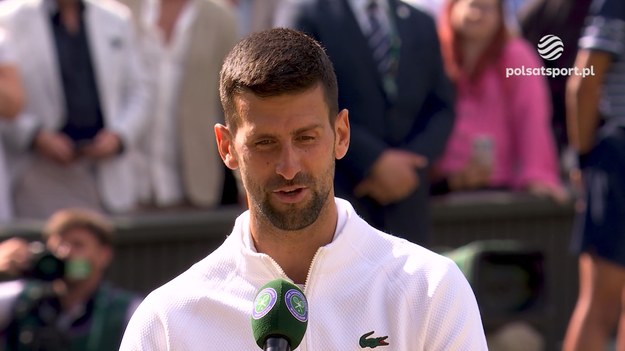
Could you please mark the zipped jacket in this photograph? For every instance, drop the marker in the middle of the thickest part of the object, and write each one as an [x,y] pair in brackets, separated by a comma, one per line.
[365,289]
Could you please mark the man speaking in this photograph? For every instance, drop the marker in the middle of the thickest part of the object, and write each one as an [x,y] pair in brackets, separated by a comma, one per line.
[365,289]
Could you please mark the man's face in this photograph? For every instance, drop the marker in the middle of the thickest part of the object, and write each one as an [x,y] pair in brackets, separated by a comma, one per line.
[285,147]
[78,246]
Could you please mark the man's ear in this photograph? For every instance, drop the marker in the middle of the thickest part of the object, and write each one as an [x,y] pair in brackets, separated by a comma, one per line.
[341,132]
[225,146]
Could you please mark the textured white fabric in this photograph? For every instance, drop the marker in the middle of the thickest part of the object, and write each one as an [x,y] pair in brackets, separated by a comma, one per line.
[6,212]
[364,281]
[162,152]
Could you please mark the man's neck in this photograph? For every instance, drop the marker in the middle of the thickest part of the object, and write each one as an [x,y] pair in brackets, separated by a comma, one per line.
[295,250]
[169,15]
[69,10]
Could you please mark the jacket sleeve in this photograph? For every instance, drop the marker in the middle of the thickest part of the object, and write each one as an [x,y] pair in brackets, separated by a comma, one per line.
[19,133]
[454,321]
[145,331]
[438,108]
[135,93]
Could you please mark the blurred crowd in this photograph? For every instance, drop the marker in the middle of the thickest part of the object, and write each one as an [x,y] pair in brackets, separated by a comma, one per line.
[110,106]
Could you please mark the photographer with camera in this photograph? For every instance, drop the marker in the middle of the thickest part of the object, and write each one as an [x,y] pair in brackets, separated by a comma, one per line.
[58,300]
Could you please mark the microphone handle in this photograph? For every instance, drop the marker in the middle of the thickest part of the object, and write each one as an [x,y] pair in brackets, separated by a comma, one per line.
[276,343]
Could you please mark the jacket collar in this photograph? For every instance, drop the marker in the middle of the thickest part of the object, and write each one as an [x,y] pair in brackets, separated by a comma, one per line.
[262,267]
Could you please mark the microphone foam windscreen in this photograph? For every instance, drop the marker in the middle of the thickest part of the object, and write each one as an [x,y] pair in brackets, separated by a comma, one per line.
[280,310]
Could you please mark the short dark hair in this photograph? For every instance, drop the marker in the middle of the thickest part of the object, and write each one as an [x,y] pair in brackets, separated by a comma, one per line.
[65,220]
[275,62]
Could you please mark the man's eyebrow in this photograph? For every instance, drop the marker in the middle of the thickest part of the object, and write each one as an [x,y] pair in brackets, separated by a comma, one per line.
[301,130]
[307,129]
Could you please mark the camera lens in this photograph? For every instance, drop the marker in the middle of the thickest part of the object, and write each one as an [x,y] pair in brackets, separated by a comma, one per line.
[44,265]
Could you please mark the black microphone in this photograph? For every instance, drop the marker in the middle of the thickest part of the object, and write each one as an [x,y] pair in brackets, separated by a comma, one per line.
[280,316]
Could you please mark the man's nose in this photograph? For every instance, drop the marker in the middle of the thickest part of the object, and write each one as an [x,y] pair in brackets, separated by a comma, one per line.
[288,164]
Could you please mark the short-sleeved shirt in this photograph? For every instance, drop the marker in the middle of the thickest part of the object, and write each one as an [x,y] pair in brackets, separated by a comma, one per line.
[605,31]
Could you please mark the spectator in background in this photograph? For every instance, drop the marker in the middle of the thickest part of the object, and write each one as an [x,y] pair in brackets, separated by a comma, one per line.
[254,15]
[86,105]
[431,7]
[436,9]
[78,311]
[391,79]
[596,126]
[184,42]
[11,103]
[501,138]
[563,18]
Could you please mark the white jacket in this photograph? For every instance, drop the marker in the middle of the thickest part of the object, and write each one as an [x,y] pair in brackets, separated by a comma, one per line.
[364,281]
[6,209]
[6,206]
[122,85]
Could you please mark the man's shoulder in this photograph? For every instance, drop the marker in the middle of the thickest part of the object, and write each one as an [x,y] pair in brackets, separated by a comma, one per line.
[418,25]
[394,252]
[413,257]
[407,11]
[9,8]
[197,279]
[407,267]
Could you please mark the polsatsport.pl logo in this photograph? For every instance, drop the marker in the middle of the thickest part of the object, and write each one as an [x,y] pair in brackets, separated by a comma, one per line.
[550,47]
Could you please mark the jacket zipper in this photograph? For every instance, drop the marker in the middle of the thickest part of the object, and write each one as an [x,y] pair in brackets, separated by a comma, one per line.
[278,268]
[302,345]
[283,274]
[312,264]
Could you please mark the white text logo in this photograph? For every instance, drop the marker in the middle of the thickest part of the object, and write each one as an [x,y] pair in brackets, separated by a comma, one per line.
[550,47]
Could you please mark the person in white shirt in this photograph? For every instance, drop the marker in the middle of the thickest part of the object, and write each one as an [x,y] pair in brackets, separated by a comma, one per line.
[254,15]
[86,104]
[435,7]
[11,103]
[284,133]
[184,43]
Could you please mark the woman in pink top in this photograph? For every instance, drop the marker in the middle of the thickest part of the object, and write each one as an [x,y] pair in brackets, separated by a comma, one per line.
[502,136]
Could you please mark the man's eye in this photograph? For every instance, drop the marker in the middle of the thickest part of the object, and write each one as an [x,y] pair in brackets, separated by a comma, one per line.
[306,138]
[264,142]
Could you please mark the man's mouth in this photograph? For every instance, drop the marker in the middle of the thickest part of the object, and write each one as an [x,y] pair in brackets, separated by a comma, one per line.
[289,190]
[290,194]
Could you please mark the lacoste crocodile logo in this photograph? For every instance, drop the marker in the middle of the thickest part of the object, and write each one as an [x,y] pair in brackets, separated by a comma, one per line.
[365,341]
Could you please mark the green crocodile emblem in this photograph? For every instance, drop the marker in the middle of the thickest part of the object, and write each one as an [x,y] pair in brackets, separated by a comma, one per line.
[365,341]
